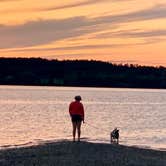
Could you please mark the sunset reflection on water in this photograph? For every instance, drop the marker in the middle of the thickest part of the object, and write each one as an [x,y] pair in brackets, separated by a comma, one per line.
[31,115]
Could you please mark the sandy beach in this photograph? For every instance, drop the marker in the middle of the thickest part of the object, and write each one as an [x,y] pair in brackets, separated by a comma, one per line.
[66,153]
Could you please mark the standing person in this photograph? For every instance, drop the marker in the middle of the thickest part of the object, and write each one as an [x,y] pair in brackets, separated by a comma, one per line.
[76,111]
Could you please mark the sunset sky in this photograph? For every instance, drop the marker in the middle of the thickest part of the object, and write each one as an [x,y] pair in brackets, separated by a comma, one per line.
[119,31]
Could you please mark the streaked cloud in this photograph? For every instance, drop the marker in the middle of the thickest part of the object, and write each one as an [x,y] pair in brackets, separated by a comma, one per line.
[9,0]
[78,47]
[156,12]
[134,34]
[56,7]
[75,47]
[63,6]
[42,32]
[71,5]
[46,31]
[79,4]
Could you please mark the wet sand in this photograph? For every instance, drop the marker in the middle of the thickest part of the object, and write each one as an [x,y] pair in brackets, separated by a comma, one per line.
[66,153]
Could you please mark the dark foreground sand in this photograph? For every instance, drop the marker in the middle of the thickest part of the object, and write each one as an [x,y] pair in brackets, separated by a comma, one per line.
[67,153]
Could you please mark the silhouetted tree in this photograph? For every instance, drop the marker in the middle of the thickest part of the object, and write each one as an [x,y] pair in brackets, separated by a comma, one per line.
[37,71]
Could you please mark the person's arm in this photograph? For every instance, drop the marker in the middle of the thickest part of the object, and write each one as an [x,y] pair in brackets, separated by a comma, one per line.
[83,114]
[70,108]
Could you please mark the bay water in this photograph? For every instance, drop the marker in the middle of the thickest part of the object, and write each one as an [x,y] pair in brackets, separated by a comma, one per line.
[36,114]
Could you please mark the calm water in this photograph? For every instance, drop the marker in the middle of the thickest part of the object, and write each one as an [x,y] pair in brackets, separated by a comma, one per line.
[32,115]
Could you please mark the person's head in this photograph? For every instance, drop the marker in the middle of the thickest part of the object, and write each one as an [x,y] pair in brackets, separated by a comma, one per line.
[77,98]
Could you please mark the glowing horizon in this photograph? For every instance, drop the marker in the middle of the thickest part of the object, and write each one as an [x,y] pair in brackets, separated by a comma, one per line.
[122,31]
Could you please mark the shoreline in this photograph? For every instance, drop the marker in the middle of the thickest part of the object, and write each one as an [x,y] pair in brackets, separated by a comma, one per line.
[81,153]
[43,142]
[72,86]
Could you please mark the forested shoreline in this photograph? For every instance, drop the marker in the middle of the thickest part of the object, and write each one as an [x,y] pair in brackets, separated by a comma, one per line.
[37,71]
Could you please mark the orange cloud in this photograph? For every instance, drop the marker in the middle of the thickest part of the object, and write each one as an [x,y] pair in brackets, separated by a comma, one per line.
[116,30]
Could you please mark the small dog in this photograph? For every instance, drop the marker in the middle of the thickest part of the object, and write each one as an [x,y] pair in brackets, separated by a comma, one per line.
[115,136]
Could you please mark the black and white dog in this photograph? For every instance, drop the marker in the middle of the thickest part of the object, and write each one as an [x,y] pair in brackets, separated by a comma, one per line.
[114,135]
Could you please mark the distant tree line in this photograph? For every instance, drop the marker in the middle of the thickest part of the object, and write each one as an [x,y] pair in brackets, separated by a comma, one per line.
[37,71]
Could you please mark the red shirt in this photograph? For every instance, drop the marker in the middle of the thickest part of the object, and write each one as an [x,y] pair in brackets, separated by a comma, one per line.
[76,108]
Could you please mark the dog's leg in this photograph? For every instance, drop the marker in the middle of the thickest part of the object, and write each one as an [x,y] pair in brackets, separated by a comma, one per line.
[111,140]
[118,141]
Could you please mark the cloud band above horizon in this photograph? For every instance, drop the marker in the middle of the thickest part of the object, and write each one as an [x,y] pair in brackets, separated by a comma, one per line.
[108,33]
